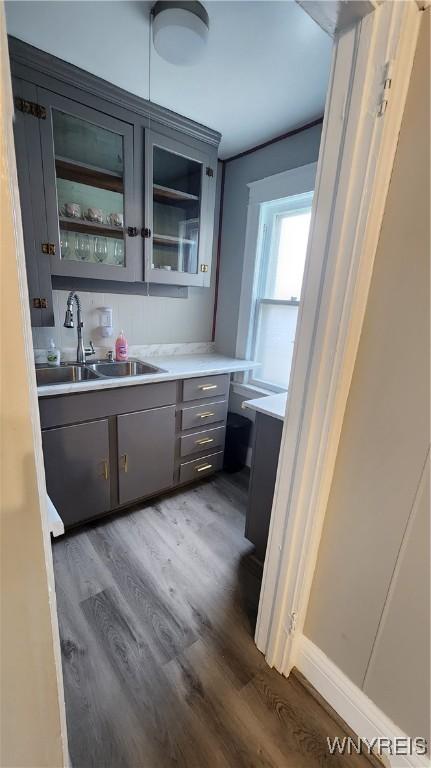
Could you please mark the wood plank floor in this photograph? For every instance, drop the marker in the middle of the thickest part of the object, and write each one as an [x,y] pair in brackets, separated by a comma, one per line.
[159,664]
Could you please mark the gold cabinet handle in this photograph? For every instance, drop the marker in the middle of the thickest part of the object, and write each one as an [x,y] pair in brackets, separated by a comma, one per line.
[203,467]
[105,473]
[125,460]
[204,441]
[206,415]
[206,387]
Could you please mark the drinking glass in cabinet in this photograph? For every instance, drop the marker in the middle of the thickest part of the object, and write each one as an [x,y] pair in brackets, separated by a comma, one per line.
[65,245]
[100,249]
[177,190]
[118,252]
[82,247]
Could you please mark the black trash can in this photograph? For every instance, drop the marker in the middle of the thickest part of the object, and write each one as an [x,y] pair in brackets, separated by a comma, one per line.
[237,440]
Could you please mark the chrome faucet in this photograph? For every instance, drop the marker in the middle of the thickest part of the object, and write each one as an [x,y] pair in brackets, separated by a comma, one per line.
[81,351]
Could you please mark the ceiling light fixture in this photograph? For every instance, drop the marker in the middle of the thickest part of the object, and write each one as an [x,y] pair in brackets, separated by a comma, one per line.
[180,30]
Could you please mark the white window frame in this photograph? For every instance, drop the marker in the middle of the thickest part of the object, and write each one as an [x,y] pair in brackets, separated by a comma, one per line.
[264,255]
[296,181]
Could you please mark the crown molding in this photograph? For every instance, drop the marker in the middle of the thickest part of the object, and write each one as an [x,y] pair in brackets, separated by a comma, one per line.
[40,62]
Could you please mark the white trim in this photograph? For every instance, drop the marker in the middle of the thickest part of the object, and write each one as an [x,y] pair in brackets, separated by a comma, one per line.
[355,164]
[350,702]
[295,181]
[55,523]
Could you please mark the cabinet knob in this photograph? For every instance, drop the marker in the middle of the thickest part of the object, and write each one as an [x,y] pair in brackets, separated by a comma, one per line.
[203,467]
[206,387]
[204,441]
[105,471]
[206,415]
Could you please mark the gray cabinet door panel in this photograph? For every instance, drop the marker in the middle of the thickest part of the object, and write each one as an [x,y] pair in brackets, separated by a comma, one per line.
[146,442]
[132,270]
[206,157]
[266,449]
[77,470]
[33,211]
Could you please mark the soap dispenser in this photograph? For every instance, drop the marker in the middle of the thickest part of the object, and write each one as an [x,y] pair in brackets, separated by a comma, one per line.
[53,354]
[121,348]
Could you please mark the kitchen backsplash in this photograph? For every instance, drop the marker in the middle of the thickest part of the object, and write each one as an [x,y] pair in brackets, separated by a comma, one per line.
[147,321]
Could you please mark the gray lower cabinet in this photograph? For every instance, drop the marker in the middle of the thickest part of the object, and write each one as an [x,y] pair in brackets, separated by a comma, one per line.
[108,448]
[77,470]
[145,452]
[266,449]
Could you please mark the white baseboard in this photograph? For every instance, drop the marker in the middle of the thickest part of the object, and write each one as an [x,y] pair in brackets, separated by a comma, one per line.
[351,704]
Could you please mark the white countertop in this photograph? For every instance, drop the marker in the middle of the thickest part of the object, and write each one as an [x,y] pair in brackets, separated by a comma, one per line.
[270,405]
[174,367]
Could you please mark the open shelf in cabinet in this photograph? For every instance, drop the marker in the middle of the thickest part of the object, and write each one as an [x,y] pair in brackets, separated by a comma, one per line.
[88,174]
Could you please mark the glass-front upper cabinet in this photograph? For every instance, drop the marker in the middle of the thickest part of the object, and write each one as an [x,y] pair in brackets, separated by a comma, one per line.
[88,173]
[180,194]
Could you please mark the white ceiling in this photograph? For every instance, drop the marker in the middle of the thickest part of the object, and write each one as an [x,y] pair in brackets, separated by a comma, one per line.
[264,72]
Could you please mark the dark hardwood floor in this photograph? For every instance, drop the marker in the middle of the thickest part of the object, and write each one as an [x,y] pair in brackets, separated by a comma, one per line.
[159,664]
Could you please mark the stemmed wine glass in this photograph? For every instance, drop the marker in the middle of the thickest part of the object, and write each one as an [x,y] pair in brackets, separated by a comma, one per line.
[118,252]
[100,249]
[82,247]
[65,244]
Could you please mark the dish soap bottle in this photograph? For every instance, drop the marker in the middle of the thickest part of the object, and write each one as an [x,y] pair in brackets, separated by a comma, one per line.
[53,354]
[121,348]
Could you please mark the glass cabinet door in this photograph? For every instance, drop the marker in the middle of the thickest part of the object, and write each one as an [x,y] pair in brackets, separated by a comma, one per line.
[178,210]
[88,158]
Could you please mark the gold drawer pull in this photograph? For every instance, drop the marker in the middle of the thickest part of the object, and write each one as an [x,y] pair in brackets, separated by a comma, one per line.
[206,415]
[203,467]
[125,460]
[204,441]
[105,472]
[206,387]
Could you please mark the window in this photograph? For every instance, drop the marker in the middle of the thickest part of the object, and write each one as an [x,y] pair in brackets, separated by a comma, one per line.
[283,237]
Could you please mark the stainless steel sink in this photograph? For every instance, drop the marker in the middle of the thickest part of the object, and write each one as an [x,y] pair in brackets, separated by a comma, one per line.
[63,374]
[129,368]
[67,373]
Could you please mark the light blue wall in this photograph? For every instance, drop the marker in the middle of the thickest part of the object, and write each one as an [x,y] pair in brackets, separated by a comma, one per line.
[301,149]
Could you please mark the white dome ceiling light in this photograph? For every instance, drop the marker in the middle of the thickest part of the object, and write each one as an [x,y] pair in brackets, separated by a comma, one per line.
[180,30]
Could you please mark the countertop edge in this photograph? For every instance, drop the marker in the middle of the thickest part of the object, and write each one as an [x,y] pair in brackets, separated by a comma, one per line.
[261,405]
[220,366]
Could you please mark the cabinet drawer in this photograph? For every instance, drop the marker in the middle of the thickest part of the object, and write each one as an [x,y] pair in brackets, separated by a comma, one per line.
[201,415]
[208,440]
[205,386]
[193,470]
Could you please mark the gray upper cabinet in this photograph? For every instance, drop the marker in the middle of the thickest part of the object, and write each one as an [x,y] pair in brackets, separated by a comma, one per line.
[103,195]
[180,199]
[146,443]
[88,180]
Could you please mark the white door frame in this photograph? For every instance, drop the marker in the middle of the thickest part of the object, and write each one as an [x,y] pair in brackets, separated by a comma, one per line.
[355,163]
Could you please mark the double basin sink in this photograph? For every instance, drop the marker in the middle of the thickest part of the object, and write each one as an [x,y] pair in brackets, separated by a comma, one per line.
[73,373]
